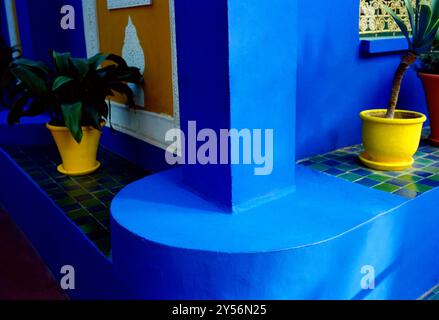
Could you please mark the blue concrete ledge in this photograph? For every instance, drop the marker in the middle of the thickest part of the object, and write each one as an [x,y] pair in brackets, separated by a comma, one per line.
[170,244]
[311,244]
[383,45]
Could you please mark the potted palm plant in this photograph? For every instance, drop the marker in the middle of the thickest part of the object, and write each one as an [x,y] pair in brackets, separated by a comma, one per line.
[429,74]
[74,94]
[391,137]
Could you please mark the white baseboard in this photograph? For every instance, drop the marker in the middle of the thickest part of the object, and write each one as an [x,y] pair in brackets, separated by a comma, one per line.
[146,126]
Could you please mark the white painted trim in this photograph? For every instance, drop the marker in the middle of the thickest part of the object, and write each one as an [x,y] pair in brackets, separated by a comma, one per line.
[118,4]
[91,29]
[147,126]
[174,65]
[11,19]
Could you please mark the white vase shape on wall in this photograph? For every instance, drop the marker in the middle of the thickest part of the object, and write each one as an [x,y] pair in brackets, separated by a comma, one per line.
[134,55]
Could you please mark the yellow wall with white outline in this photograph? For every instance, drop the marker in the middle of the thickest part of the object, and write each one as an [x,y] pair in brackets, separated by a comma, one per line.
[154,30]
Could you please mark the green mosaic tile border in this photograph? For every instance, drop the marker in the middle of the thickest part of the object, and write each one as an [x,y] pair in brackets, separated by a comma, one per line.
[85,200]
[344,164]
[434,295]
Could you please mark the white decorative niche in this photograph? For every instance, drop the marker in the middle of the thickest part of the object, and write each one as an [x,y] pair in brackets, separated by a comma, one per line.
[118,4]
[133,54]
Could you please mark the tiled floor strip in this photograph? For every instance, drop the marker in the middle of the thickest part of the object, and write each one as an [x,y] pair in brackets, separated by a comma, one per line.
[344,164]
[86,200]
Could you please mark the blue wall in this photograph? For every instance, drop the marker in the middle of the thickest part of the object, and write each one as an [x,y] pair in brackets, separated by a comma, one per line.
[40,30]
[335,82]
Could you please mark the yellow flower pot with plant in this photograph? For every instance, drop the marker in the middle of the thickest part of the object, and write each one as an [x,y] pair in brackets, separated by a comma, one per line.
[391,137]
[74,94]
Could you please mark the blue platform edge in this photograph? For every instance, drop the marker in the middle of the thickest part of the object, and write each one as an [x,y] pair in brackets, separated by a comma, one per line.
[383,45]
[170,244]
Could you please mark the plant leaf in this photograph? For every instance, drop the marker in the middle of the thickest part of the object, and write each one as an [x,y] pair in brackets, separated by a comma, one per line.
[32,64]
[94,116]
[72,114]
[17,109]
[62,62]
[410,12]
[60,82]
[125,90]
[400,24]
[117,59]
[423,23]
[95,61]
[30,79]
[81,66]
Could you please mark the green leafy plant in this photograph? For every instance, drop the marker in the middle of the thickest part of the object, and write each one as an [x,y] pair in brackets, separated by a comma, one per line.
[424,23]
[429,63]
[74,91]
[7,79]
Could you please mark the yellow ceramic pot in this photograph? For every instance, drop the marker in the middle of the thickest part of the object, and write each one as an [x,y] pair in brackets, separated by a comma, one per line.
[391,143]
[78,158]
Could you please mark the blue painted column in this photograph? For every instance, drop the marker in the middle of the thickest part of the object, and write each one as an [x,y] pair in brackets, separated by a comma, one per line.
[237,66]
[263,68]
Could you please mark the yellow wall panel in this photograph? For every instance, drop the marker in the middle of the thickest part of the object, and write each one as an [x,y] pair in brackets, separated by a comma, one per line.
[154,31]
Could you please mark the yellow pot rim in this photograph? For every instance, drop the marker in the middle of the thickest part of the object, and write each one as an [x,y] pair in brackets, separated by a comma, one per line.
[365,115]
[84,128]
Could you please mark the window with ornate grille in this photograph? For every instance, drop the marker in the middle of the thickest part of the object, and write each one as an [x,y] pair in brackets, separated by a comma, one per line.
[376,22]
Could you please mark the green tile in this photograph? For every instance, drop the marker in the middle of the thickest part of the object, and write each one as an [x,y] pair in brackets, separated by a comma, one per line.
[77,214]
[435,178]
[318,159]
[101,194]
[91,227]
[410,177]
[418,187]
[90,203]
[77,193]
[350,177]
[65,201]
[425,162]
[420,154]
[433,170]
[345,167]
[379,177]
[386,187]
[102,215]
[319,167]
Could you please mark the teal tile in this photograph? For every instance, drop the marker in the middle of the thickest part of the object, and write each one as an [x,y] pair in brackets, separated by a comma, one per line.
[320,167]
